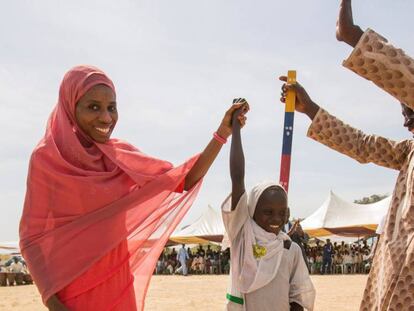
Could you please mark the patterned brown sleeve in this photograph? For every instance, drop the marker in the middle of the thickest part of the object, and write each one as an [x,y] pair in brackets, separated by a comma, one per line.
[345,139]
[375,59]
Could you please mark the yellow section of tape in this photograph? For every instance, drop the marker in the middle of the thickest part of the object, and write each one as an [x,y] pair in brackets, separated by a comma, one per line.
[291,96]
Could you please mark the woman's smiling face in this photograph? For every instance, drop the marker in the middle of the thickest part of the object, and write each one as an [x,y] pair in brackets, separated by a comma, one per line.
[96,113]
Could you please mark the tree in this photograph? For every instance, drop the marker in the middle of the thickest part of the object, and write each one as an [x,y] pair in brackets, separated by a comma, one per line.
[372,199]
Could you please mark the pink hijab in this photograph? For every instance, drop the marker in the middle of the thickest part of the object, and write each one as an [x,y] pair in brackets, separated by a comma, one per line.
[81,202]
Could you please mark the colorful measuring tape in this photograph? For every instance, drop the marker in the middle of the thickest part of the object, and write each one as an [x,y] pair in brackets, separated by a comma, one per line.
[288,132]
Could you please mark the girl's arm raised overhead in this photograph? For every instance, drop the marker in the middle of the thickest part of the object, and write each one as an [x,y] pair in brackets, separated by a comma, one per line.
[236,155]
[210,153]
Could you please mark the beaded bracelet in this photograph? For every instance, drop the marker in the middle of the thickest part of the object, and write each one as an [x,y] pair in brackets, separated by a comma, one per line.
[220,139]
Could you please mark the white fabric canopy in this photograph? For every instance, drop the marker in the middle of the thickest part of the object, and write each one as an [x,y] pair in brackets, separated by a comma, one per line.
[8,248]
[339,217]
[334,217]
[209,227]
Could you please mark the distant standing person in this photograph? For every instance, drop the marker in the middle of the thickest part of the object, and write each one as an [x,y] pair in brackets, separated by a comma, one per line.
[301,238]
[200,251]
[16,266]
[328,251]
[182,258]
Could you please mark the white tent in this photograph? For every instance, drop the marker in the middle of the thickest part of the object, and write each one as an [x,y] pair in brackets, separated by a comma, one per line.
[209,227]
[335,217]
[9,248]
[339,217]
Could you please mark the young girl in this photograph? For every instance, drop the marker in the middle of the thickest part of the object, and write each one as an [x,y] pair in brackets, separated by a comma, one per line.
[267,269]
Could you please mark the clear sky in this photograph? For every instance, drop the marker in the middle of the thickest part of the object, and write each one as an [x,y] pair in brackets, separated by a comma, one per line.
[177,65]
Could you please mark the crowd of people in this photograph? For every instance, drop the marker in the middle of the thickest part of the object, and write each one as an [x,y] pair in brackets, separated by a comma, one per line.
[322,258]
[334,258]
[14,271]
[328,258]
[198,261]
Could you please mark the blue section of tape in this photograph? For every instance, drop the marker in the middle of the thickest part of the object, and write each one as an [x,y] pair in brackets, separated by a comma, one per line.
[288,133]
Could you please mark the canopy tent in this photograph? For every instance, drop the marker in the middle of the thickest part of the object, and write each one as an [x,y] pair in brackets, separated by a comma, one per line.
[9,248]
[336,218]
[339,217]
[208,228]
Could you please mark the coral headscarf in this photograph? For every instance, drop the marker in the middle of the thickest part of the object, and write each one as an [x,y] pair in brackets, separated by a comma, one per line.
[81,202]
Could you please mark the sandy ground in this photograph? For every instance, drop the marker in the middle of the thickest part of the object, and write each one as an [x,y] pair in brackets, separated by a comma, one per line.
[202,293]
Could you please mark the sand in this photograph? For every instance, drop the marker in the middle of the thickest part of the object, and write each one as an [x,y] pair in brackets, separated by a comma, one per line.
[202,293]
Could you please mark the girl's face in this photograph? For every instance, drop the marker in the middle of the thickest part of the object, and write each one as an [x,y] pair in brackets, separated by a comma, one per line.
[96,113]
[271,210]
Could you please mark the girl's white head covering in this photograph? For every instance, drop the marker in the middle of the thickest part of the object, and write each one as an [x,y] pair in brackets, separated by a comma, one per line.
[257,191]
[250,273]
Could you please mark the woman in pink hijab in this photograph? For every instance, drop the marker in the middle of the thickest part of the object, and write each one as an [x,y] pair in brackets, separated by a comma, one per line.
[98,211]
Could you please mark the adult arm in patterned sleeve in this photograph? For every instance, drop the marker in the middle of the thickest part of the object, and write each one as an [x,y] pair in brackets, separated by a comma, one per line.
[376,59]
[345,139]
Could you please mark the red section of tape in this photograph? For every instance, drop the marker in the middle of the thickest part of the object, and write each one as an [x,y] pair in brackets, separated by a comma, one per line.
[285,171]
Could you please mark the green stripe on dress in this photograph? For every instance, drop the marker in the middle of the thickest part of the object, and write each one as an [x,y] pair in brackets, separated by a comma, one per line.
[235,299]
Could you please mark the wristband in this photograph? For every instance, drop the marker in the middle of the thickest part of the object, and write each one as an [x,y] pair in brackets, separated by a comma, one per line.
[220,139]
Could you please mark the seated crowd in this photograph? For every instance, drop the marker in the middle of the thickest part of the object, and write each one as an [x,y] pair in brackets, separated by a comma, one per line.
[339,258]
[14,272]
[199,261]
[323,258]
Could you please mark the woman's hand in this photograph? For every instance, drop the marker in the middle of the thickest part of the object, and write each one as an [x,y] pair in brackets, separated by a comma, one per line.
[210,153]
[304,103]
[225,128]
[346,30]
